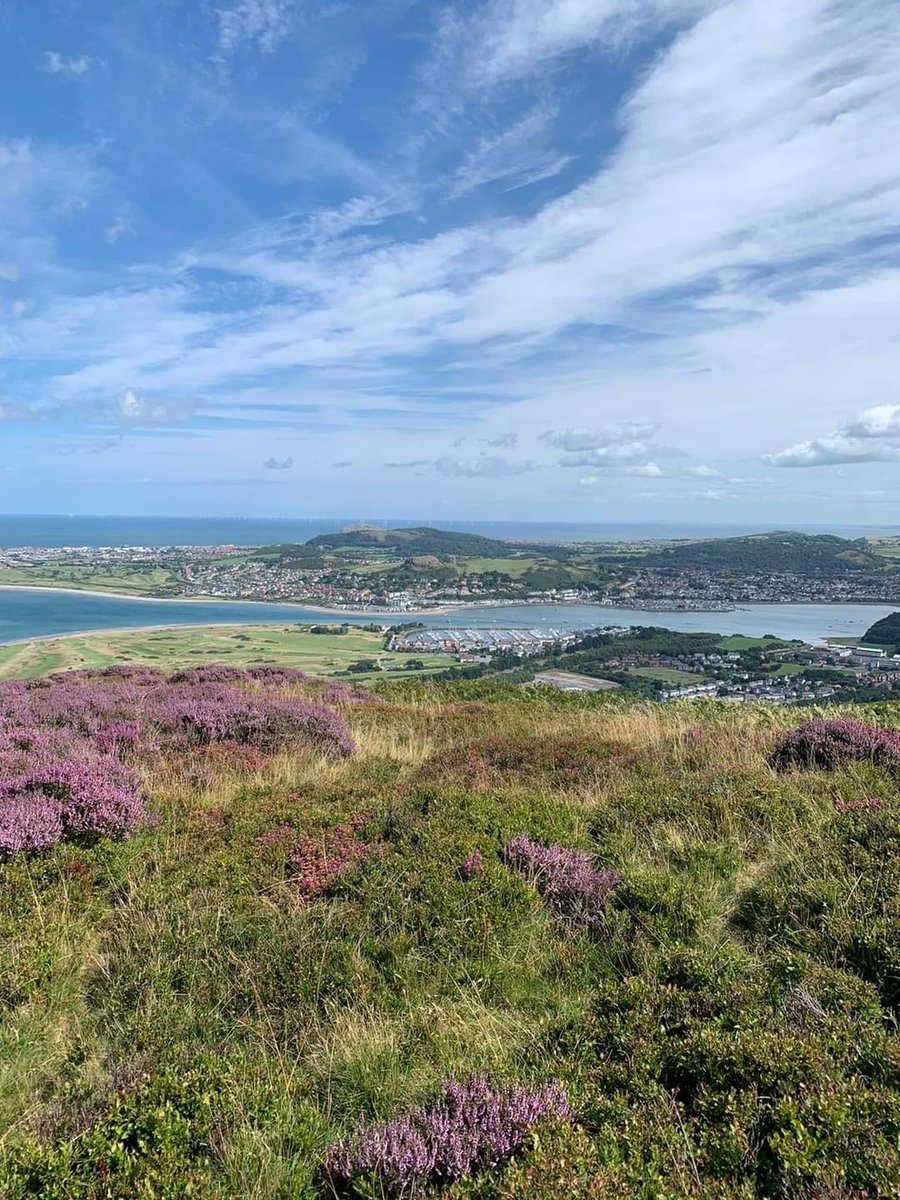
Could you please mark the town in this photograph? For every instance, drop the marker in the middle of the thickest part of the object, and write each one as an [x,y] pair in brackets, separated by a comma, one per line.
[663,665]
[405,571]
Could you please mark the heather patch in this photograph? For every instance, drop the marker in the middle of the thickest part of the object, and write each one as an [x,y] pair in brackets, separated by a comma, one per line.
[569,880]
[471,1127]
[829,744]
[316,863]
[80,801]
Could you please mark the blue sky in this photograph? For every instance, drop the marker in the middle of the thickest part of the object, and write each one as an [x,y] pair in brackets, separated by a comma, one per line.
[570,259]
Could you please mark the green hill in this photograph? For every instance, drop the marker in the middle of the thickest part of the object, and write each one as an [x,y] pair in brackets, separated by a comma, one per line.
[447,908]
[885,632]
[775,552]
[413,542]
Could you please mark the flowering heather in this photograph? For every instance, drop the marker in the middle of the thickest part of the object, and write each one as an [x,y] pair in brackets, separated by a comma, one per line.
[473,866]
[471,1127]
[210,673]
[569,880]
[202,713]
[829,743]
[78,800]
[278,676]
[316,863]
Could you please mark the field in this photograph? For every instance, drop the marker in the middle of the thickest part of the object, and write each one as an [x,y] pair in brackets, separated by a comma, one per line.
[129,581]
[286,645]
[739,641]
[667,675]
[293,944]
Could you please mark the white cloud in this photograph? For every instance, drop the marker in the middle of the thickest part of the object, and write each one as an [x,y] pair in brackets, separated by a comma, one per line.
[511,38]
[21,306]
[619,454]
[871,437]
[75,67]
[279,464]
[591,439]
[118,229]
[483,467]
[879,422]
[255,25]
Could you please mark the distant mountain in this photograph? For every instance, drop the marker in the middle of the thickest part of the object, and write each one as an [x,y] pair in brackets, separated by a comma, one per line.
[775,552]
[413,542]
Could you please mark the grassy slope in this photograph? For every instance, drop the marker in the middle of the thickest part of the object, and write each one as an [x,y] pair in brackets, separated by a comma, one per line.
[318,654]
[173,1014]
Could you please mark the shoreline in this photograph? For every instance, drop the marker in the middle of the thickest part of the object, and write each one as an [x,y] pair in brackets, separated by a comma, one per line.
[316,608]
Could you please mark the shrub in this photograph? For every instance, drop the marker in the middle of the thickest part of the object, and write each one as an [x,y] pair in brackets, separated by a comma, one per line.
[569,880]
[471,1127]
[828,744]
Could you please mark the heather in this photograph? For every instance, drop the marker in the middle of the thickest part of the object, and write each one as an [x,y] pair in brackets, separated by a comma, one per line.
[471,1126]
[828,743]
[518,944]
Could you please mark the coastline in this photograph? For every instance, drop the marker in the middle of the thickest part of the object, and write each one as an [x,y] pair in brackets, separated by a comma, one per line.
[317,608]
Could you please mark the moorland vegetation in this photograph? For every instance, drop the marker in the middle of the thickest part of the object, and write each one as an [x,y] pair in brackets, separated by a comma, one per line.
[272,937]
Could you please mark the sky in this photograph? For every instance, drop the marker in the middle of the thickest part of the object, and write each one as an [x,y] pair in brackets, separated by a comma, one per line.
[580,260]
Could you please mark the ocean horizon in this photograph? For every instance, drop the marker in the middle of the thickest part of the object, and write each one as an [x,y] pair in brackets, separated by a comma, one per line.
[54,531]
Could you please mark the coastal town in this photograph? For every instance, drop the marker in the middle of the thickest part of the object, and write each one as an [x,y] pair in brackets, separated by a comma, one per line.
[675,667]
[408,571]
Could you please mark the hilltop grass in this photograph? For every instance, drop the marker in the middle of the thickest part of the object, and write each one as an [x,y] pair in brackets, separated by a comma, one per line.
[240,645]
[178,1022]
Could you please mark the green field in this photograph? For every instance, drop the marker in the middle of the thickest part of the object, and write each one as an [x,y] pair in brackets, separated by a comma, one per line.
[667,675]
[789,668]
[131,581]
[242,645]
[738,641]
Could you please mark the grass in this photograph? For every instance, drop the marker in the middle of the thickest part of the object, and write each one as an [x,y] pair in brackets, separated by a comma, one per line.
[789,668]
[739,641]
[242,645]
[130,581]
[176,1023]
[667,674]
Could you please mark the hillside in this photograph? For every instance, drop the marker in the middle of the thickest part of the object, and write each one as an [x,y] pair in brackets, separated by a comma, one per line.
[565,946]
[412,542]
[885,632]
[772,552]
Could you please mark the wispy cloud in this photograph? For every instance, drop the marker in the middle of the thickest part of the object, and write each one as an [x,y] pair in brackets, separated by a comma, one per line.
[74,67]
[278,464]
[484,467]
[253,25]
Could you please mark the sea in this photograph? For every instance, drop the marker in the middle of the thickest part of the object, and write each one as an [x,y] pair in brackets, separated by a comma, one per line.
[73,530]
